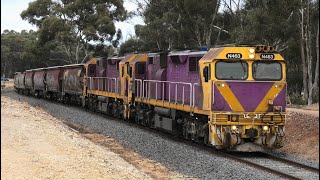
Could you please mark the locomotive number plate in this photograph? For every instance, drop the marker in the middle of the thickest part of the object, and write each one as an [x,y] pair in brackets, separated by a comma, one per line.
[267,56]
[234,56]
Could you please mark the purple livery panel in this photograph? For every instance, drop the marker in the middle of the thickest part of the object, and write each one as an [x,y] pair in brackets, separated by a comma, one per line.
[113,68]
[249,95]
[113,72]
[104,71]
[155,72]
[178,71]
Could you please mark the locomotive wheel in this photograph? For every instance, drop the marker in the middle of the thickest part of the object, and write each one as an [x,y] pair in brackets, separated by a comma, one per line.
[136,119]
[206,138]
[115,110]
[185,132]
[146,122]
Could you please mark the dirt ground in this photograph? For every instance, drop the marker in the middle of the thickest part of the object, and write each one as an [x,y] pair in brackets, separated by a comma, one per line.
[302,133]
[35,145]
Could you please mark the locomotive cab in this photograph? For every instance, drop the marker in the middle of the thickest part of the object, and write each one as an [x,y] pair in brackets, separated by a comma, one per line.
[247,90]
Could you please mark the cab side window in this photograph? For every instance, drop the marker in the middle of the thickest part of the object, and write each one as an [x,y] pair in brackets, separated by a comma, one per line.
[194,64]
[92,70]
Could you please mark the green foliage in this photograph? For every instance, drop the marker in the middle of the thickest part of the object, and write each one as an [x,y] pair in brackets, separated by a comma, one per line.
[176,24]
[75,24]
[16,51]
[297,98]
[132,45]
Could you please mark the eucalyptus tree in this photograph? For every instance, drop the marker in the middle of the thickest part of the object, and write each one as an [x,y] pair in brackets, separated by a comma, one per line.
[173,24]
[76,26]
[308,23]
[17,51]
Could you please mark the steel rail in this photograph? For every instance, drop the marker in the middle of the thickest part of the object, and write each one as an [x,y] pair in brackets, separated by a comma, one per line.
[292,163]
[258,166]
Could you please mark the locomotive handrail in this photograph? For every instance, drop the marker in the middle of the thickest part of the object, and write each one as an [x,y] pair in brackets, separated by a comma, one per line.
[117,85]
[248,81]
[140,94]
[147,84]
[212,94]
[193,95]
[107,84]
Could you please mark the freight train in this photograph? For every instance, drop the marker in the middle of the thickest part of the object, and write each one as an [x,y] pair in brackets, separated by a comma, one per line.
[229,97]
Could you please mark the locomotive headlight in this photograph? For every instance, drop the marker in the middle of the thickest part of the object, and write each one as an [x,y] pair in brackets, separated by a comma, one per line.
[234,128]
[251,50]
[265,128]
[251,56]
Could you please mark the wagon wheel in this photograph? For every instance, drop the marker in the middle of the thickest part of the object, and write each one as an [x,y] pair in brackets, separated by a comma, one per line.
[63,99]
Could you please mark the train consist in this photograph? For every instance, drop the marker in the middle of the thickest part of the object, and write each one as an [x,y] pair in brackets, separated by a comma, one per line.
[227,97]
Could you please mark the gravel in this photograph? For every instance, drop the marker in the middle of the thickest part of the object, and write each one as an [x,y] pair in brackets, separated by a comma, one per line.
[176,156]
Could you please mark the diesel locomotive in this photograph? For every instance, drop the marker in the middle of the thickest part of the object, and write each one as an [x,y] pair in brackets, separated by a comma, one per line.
[231,97]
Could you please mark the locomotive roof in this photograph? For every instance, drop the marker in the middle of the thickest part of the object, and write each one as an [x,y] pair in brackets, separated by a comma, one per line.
[73,65]
[54,67]
[38,69]
[153,54]
[245,53]
[197,52]
[186,52]
[116,57]
[177,53]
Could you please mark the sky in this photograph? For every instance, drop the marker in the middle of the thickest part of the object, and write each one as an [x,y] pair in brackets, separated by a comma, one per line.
[11,9]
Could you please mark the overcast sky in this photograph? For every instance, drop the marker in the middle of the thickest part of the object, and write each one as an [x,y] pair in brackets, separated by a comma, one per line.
[11,9]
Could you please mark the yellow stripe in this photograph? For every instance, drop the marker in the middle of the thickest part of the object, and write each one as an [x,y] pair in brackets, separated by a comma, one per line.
[229,96]
[271,95]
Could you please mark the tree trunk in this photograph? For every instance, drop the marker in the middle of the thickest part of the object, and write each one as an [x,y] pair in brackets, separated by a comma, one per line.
[303,57]
[309,56]
[316,75]
[209,33]
[77,53]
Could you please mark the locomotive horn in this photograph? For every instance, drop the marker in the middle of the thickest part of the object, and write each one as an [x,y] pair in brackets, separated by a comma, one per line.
[258,49]
[271,49]
[266,49]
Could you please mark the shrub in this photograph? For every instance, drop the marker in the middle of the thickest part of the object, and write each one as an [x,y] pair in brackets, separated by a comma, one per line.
[297,98]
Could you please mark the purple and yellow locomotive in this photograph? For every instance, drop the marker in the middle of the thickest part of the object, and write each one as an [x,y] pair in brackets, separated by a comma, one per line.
[227,97]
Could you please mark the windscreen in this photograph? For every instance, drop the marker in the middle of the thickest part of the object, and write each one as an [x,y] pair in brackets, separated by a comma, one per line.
[231,70]
[267,71]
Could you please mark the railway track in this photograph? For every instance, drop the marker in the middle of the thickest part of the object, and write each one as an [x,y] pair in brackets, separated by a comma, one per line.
[282,167]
